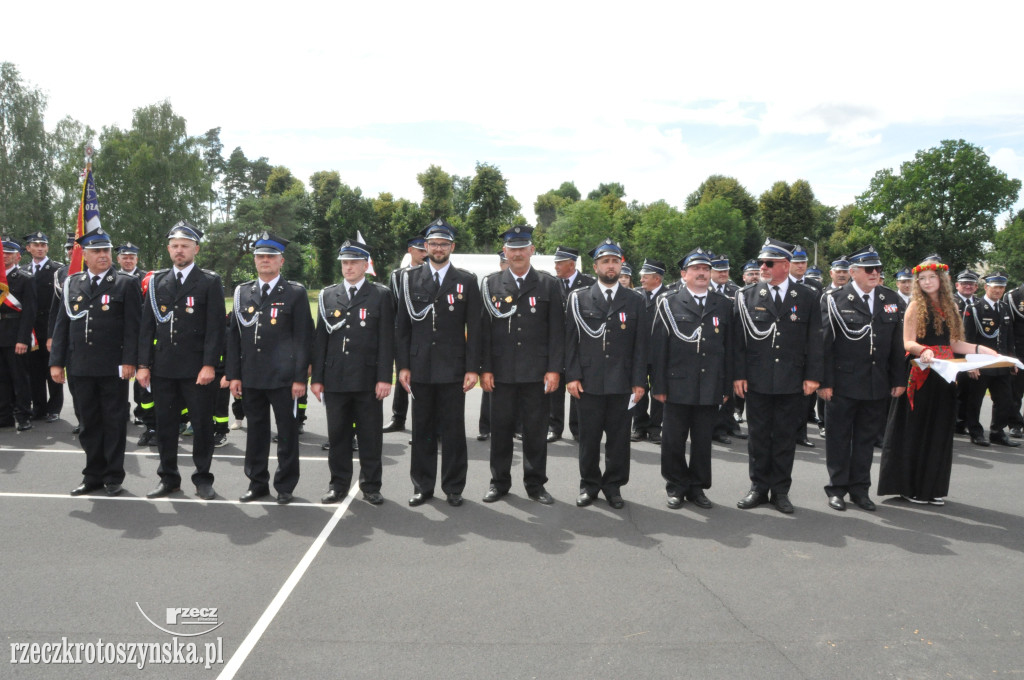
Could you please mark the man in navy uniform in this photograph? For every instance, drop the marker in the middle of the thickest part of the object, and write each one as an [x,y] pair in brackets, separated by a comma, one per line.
[966,286]
[904,284]
[180,346]
[268,360]
[438,357]
[1014,300]
[417,254]
[989,322]
[17,317]
[647,414]
[353,352]
[484,422]
[522,355]
[778,355]
[725,424]
[691,374]
[570,279]
[57,307]
[96,338]
[839,273]
[862,326]
[128,260]
[43,269]
[606,334]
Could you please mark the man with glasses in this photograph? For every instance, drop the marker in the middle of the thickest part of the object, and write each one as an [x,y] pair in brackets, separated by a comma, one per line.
[438,358]
[778,355]
[862,326]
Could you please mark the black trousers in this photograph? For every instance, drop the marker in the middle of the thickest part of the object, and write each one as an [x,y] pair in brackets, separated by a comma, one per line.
[47,396]
[773,421]
[854,425]
[604,414]
[438,408]
[367,412]
[648,413]
[556,416]
[962,388]
[170,396]
[221,409]
[533,406]
[725,419]
[15,388]
[258,404]
[104,410]
[399,405]
[684,421]
[484,423]
[1017,392]
[998,386]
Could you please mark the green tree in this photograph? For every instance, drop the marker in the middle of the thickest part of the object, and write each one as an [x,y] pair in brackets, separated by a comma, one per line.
[788,211]
[945,200]
[67,157]
[548,204]
[24,158]
[282,182]
[493,210]
[716,226]
[583,225]
[658,236]
[213,149]
[722,186]
[148,177]
[438,192]
[324,187]
[1008,253]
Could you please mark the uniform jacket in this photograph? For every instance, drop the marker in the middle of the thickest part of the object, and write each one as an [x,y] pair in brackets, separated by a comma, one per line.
[43,282]
[581,281]
[688,372]
[1014,300]
[870,367]
[357,355]
[981,321]
[445,345]
[274,351]
[810,283]
[194,336]
[616,362]
[781,361]
[56,303]
[105,338]
[730,289]
[16,326]
[531,342]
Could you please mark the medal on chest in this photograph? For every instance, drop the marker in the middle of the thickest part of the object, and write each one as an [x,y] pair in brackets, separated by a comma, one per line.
[273,316]
[533,305]
[714,321]
[792,317]
[105,299]
[451,302]
[362,316]
[622,319]
[458,289]
[190,303]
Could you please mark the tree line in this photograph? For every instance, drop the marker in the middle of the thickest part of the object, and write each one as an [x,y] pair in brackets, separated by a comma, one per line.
[947,199]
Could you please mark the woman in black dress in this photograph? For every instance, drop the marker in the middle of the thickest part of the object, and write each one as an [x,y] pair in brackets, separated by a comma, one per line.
[917,455]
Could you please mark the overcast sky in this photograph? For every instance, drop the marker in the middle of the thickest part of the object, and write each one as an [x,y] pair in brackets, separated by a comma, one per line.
[654,95]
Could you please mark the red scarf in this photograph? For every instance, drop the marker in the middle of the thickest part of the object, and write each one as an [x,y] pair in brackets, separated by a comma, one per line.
[918,375]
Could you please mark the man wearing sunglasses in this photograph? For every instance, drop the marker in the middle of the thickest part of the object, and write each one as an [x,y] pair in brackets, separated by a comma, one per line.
[778,355]
[862,326]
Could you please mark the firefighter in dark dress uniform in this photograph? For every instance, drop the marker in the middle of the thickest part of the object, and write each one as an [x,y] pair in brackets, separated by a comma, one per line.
[57,307]
[17,316]
[47,396]
[725,424]
[267,364]
[400,401]
[966,286]
[647,414]
[570,279]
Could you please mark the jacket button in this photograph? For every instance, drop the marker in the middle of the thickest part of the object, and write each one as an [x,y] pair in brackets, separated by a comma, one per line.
[776,361]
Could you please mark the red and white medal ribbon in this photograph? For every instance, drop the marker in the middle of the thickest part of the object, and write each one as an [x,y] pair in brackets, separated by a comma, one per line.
[362,314]
[622,317]
[273,312]
[190,302]
[533,302]
[105,299]
[451,299]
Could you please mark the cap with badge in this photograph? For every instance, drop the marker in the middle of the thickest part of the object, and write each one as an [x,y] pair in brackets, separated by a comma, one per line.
[605,248]
[128,248]
[814,274]
[269,244]
[840,264]
[967,276]
[10,246]
[501,255]
[904,275]
[652,267]
[69,242]
[751,265]
[720,263]
[865,257]
[626,270]
[695,256]
[519,236]
[565,253]
[353,250]
[418,242]
[37,237]
[185,229]
[799,254]
[774,249]
[94,240]
[439,229]
[996,279]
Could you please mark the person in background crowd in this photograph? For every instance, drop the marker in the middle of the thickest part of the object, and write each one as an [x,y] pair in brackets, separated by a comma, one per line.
[966,286]
[626,276]
[725,420]
[1014,300]
[839,273]
[47,396]
[570,279]
[751,272]
[647,414]
[814,276]
[400,399]
[904,284]
[17,316]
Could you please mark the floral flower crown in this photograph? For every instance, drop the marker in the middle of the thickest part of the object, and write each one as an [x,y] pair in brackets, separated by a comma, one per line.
[930,266]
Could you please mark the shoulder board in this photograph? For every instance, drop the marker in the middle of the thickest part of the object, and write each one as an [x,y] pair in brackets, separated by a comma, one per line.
[333,285]
[634,291]
[294,284]
[464,271]
[210,272]
[541,275]
[383,288]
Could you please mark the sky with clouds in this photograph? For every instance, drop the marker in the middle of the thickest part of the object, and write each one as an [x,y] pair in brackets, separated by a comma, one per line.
[654,95]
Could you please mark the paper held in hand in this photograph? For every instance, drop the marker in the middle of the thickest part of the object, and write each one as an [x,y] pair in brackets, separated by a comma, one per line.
[948,368]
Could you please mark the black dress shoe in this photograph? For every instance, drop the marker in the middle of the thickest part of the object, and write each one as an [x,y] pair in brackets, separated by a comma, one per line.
[782,504]
[863,502]
[419,499]
[78,429]
[86,487]
[253,494]
[148,438]
[24,424]
[326,446]
[394,426]
[332,496]
[1001,439]
[654,437]
[698,498]
[584,499]
[979,441]
[739,435]
[960,429]
[541,496]
[453,499]
[113,489]
[483,436]
[674,502]
[373,497]
[753,499]
[162,489]
[493,494]
[1015,432]
[52,417]
[284,498]
[206,492]
[805,442]
[721,439]
[552,437]
[836,503]
[636,435]
[616,502]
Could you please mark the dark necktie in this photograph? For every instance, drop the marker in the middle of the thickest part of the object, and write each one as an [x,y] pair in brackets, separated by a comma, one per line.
[519,281]
[181,279]
[700,302]
[777,297]
[265,292]
[95,283]
[437,281]
[352,293]
[867,300]
[609,294]
[565,283]
[649,295]
[721,289]
[37,268]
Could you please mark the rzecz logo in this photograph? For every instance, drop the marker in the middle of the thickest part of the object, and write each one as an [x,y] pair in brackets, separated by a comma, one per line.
[184,621]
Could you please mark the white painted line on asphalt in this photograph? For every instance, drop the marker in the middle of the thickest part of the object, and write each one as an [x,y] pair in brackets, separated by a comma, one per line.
[242,653]
[179,499]
[154,454]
